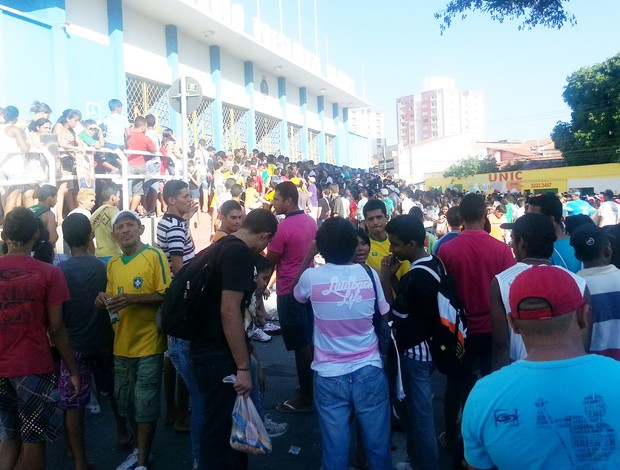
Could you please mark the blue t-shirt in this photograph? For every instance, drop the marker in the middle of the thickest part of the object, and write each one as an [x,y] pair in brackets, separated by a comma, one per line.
[564,256]
[541,415]
[578,206]
[445,239]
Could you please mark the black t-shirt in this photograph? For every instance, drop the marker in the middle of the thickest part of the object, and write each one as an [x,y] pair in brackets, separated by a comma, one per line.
[417,300]
[324,205]
[233,269]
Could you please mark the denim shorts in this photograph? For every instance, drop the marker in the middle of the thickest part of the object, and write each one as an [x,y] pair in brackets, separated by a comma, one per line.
[296,320]
[28,407]
[137,184]
[137,386]
[99,364]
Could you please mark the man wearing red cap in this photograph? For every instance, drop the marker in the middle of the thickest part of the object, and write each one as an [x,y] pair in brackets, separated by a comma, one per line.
[558,407]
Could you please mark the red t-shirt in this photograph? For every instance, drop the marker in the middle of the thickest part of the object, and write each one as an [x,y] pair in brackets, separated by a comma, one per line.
[28,287]
[473,259]
[139,141]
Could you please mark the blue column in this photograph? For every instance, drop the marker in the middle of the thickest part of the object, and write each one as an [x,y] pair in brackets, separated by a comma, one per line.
[283,122]
[337,138]
[172,55]
[248,68]
[320,103]
[216,78]
[117,40]
[303,106]
[350,155]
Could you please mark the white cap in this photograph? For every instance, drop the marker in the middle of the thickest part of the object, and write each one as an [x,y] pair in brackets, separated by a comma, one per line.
[124,214]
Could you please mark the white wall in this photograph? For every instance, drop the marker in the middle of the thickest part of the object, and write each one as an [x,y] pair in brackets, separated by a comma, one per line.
[88,20]
[145,48]
[269,104]
[233,83]
[293,111]
[194,61]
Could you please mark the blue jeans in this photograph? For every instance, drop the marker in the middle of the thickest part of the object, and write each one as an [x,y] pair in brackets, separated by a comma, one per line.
[362,395]
[420,424]
[178,352]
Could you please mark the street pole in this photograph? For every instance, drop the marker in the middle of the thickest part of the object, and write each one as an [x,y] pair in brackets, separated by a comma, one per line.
[184,121]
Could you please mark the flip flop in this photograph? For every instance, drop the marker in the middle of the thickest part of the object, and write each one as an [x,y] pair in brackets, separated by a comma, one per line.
[288,407]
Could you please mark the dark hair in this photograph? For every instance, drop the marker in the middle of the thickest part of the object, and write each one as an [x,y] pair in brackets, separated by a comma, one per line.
[454,216]
[42,249]
[230,206]
[172,188]
[236,190]
[539,243]
[69,114]
[573,221]
[38,107]
[229,183]
[32,127]
[549,205]
[11,113]
[260,221]
[472,208]
[416,212]
[407,228]
[373,205]
[150,120]
[108,191]
[114,104]
[89,122]
[139,121]
[613,233]
[336,240]
[288,190]
[262,264]
[46,191]
[76,230]
[20,225]
[363,235]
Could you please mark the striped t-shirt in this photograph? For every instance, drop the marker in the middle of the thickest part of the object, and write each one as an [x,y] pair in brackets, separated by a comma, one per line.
[343,300]
[173,238]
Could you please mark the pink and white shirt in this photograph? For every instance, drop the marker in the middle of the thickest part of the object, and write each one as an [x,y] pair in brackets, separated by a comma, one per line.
[343,301]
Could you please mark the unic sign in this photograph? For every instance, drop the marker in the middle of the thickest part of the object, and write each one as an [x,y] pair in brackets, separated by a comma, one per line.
[506,176]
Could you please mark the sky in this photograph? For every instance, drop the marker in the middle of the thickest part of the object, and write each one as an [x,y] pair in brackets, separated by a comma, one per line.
[389,47]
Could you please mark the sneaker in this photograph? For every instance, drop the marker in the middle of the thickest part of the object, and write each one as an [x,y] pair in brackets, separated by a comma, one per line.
[272,329]
[130,462]
[274,429]
[260,335]
[272,314]
[94,408]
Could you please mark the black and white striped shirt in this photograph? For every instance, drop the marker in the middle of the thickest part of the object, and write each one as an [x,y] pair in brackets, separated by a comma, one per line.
[173,238]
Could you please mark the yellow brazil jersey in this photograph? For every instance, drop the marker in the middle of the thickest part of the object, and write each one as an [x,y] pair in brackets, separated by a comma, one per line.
[379,250]
[146,272]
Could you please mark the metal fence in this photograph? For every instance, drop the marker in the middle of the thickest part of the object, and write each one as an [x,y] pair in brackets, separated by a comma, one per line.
[313,145]
[235,124]
[268,136]
[147,97]
[330,153]
[294,143]
[200,123]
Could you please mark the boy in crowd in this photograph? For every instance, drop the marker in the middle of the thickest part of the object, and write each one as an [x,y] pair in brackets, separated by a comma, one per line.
[47,197]
[139,142]
[101,221]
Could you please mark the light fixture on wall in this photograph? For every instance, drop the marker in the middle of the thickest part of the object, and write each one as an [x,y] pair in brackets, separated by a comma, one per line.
[322,90]
[277,68]
[208,33]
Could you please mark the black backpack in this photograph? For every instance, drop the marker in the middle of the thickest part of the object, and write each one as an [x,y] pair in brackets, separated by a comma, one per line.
[182,312]
[447,344]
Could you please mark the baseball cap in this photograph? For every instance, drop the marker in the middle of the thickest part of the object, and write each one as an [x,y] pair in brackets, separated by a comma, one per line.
[123,214]
[537,227]
[587,240]
[609,193]
[562,291]
[384,191]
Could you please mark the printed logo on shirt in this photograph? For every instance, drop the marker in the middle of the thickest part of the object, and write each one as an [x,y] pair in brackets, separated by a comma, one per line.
[138,282]
[506,418]
[347,292]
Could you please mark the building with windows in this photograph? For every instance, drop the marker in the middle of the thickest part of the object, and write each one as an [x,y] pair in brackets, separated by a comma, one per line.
[440,110]
[259,88]
[370,124]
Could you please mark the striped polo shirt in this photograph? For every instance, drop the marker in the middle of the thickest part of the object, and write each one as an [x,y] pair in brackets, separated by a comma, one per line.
[173,238]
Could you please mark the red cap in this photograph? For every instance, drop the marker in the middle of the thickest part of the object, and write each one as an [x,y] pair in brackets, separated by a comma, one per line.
[562,290]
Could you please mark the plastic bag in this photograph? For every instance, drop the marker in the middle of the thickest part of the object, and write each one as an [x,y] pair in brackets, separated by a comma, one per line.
[248,431]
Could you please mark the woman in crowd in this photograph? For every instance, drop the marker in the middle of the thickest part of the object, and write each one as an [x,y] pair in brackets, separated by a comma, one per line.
[68,144]
[13,146]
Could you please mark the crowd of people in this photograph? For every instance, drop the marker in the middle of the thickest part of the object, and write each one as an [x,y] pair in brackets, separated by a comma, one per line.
[538,277]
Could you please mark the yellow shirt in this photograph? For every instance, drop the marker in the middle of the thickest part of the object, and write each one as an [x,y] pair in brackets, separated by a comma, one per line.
[378,251]
[101,221]
[146,272]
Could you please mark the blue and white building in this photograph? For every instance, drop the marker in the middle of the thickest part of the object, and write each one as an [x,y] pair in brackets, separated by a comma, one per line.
[260,89]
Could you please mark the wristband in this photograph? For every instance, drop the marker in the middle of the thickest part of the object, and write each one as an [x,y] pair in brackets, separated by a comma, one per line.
[243,369]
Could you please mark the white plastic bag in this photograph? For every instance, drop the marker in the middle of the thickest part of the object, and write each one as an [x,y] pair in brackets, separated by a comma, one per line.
[248,431]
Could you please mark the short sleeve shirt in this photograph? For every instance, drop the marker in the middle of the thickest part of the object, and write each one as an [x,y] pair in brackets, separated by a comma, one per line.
[101,221]
[173,238]
[115,128]
[28,288]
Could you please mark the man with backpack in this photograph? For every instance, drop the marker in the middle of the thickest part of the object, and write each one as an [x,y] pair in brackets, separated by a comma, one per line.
[416,317]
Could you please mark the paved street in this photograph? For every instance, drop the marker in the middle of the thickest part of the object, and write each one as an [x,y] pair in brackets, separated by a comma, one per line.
[172,450]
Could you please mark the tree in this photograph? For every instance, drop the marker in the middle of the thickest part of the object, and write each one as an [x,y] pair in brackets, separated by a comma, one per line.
[548,13]
[593,134]
[470,166]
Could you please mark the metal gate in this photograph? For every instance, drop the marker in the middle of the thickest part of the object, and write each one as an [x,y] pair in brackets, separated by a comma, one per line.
[294,143]
[147,97]
[268,136]
[200,123]
[235,125]
[313,146]
[330,154]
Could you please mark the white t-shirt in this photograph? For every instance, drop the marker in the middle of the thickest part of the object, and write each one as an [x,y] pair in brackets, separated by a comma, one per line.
[609,213]
[115,128]
[343,301]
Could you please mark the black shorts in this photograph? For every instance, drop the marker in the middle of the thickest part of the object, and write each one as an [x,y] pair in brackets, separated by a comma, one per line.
[296,321]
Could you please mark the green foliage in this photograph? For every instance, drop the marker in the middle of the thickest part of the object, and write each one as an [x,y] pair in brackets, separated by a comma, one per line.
[514,165]
[548,13]
[470,166]
[593,135]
